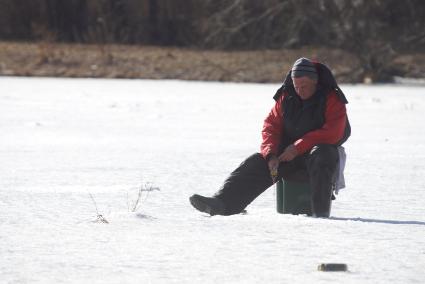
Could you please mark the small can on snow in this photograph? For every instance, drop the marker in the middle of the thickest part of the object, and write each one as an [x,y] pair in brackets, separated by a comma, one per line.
[332,267]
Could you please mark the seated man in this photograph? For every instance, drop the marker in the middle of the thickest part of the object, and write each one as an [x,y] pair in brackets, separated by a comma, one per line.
[301,134]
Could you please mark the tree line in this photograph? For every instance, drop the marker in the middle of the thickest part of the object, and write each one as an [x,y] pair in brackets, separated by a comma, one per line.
[223,24]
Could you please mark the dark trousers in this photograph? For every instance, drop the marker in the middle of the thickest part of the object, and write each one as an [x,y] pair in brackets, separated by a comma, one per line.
[252,178]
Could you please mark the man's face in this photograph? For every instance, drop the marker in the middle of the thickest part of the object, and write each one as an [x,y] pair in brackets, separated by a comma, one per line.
[304,86]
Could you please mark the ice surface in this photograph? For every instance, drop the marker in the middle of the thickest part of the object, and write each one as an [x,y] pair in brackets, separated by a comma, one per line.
[62,139]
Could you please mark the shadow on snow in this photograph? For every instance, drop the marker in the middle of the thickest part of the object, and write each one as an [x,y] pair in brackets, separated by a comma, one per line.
[396,222]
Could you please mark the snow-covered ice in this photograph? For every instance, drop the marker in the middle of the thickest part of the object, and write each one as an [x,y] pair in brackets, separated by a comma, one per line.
[62,139]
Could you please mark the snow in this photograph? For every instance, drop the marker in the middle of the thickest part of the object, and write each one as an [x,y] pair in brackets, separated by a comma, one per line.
[63,139]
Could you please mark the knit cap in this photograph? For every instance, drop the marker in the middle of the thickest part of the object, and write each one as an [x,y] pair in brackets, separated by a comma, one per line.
[304,67]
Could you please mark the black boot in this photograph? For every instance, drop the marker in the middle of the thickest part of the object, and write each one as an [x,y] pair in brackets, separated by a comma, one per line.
[324,214]
[210,205]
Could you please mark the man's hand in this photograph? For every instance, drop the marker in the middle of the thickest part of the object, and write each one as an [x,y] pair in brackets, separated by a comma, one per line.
[289,154]
[273,166]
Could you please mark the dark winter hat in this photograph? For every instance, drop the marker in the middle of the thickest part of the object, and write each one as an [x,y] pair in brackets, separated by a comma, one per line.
[304,67]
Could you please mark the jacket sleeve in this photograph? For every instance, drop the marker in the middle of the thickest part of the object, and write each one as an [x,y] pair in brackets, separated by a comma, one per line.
[272,130]
[332,130]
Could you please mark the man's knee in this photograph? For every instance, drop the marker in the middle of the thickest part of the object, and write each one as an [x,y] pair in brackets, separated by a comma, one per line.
[256,156]
[323,155]
[254,161]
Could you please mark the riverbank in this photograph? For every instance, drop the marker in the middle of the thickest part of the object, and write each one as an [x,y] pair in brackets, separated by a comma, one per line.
[150,62]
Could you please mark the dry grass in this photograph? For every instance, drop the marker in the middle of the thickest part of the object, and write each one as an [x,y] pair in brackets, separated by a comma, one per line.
[123,61]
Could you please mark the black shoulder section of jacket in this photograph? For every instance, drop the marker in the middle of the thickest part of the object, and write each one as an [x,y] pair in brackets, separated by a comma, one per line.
[325,79]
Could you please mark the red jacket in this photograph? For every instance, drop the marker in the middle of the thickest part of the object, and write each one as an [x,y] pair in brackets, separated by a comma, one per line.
[330,133]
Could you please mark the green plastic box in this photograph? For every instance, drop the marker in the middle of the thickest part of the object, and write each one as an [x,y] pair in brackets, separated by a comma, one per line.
[293,197]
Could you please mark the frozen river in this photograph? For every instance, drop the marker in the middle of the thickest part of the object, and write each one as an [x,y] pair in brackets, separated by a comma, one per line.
[63,140]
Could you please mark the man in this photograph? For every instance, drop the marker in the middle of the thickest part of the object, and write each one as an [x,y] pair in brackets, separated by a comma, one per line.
[301,136]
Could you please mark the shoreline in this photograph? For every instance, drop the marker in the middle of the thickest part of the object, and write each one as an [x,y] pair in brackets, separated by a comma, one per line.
[45,59]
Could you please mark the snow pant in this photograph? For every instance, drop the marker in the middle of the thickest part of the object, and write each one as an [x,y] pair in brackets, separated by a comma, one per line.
[252,178]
